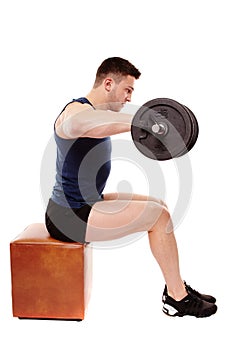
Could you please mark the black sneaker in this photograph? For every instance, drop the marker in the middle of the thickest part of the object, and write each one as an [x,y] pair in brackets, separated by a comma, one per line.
[190,305]
[205,297]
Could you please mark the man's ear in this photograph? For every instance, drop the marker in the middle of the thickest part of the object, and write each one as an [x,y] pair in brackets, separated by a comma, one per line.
[108,84]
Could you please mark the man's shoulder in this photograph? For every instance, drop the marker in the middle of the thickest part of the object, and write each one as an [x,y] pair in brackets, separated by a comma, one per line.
[71,110]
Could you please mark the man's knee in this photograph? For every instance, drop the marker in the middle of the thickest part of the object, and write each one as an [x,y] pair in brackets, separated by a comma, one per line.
[163,203]
[159,201]
[160,215]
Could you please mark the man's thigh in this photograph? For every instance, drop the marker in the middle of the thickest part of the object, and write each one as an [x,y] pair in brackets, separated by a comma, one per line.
[112,219]
[132,196]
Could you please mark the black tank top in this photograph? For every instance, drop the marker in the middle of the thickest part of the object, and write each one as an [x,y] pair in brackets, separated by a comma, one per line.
[82,168]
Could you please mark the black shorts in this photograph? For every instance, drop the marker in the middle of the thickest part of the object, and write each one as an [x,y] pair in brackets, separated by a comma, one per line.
[67,224]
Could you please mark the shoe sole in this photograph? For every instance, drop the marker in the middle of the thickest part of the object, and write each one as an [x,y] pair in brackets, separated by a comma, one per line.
[172,312]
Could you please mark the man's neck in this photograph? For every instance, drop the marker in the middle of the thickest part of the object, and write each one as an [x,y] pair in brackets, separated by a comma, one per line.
[97,99]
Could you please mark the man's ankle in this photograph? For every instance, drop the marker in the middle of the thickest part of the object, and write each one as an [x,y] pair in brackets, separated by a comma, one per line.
[177,293]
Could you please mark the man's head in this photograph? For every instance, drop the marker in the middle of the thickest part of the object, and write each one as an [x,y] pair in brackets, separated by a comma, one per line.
[117,67]
[115,77]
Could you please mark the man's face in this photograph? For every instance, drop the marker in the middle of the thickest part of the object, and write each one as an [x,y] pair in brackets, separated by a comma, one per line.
[121,93]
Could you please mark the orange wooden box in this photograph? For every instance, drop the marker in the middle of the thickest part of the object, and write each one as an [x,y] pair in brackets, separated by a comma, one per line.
[50,279]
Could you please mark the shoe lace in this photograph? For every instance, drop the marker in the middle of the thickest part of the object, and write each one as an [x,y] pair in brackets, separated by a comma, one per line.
[191,289]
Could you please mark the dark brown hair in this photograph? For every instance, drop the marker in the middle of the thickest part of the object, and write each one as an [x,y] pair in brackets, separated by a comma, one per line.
[117,66]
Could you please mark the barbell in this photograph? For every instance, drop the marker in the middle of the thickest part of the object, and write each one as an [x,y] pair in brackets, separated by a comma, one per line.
[164,128]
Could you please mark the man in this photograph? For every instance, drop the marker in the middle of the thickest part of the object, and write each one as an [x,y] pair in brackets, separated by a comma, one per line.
[79,211]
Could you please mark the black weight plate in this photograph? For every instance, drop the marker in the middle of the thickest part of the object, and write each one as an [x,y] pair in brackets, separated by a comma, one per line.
[180,130]
[195,129]
[193,135]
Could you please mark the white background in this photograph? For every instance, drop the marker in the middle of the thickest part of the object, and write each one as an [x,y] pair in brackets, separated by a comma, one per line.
[50,51]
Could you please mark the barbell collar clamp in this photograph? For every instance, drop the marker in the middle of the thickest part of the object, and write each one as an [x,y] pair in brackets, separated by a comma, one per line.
[160,129]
